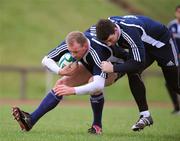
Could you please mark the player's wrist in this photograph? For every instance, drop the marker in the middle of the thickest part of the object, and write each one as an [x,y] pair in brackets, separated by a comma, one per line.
[73,91]
[59,72]
[62,72]
[115,68]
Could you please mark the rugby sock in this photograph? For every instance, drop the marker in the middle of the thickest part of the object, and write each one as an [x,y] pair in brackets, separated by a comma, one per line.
[47,104]
[97,104]
[145,113]
[174,97]
[138,91]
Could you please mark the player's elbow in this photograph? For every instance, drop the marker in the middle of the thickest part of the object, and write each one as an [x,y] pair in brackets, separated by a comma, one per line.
[44,60]
[98,89]
[100,86]
[97,86]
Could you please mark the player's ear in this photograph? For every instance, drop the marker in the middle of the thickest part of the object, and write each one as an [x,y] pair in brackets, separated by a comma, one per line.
[85,45]
[115,30]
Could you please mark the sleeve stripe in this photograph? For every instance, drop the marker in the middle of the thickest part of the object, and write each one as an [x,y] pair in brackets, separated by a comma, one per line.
[93,30]
[58,50]
[171,23]
[97,60]
[98,42]
[95,57]
[134,47]
[174,50]
[103,75]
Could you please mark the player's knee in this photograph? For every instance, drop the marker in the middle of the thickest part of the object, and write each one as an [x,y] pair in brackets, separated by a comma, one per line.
[61,81]
[174,87]
[112,78]
[177,89]
[90,79]
[133,75]
[97,93]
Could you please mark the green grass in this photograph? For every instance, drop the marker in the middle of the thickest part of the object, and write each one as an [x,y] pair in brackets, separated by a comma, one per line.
[71,122]
[31,28]
[161,10]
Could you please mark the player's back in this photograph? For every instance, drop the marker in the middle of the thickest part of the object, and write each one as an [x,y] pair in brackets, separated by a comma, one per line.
[147,26]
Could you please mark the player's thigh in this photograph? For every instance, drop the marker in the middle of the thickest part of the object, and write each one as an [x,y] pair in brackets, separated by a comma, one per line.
[111,79]
[80,77]
[165,56]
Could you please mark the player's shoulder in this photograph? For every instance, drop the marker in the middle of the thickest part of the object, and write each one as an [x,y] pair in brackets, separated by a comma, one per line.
[96,45]
[172,23]
[93,41]
[116,19]
[62,44]
[128,22]
[126,18]
[98,48]
[58,51]
[91,32]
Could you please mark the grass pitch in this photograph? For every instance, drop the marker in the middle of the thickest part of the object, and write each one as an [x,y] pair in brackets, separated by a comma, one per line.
[70,123]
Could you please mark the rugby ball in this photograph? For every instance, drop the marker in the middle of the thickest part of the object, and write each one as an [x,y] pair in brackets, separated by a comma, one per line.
[65,60]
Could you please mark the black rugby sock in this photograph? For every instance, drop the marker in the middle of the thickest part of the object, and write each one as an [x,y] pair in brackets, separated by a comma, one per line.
[47,104]
[97,104]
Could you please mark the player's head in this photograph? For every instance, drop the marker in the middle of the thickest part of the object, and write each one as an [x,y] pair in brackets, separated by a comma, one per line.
[177,12]
[107,32]
[77,44]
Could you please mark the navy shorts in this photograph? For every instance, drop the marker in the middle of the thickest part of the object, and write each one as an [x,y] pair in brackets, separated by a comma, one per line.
[166,56]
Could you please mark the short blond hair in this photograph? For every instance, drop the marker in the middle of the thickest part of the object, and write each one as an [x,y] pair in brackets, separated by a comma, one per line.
[76,36]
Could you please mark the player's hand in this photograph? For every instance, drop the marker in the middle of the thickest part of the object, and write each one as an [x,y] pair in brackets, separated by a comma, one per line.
[107,67]
[64,90]
[69,69]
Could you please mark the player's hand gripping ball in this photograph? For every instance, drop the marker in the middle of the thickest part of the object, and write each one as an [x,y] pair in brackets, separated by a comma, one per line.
[66,60]
[68,65]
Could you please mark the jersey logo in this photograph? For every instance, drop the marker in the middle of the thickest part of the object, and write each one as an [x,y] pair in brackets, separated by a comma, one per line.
[170,63]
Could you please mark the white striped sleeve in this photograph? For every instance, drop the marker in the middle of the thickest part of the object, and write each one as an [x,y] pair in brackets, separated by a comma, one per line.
[57,51]
[97,61]
[133,46]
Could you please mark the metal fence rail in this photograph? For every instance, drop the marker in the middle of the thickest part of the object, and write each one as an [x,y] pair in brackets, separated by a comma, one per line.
[24,71]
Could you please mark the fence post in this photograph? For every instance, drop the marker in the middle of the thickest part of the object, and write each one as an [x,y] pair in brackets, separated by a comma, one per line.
[23,84]
[49,80]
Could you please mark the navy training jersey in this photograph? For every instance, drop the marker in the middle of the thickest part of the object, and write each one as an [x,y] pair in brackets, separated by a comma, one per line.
[174,27]
[139,30]
[97,53]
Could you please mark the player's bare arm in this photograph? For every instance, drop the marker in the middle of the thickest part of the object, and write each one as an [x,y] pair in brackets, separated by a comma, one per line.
[69,70]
